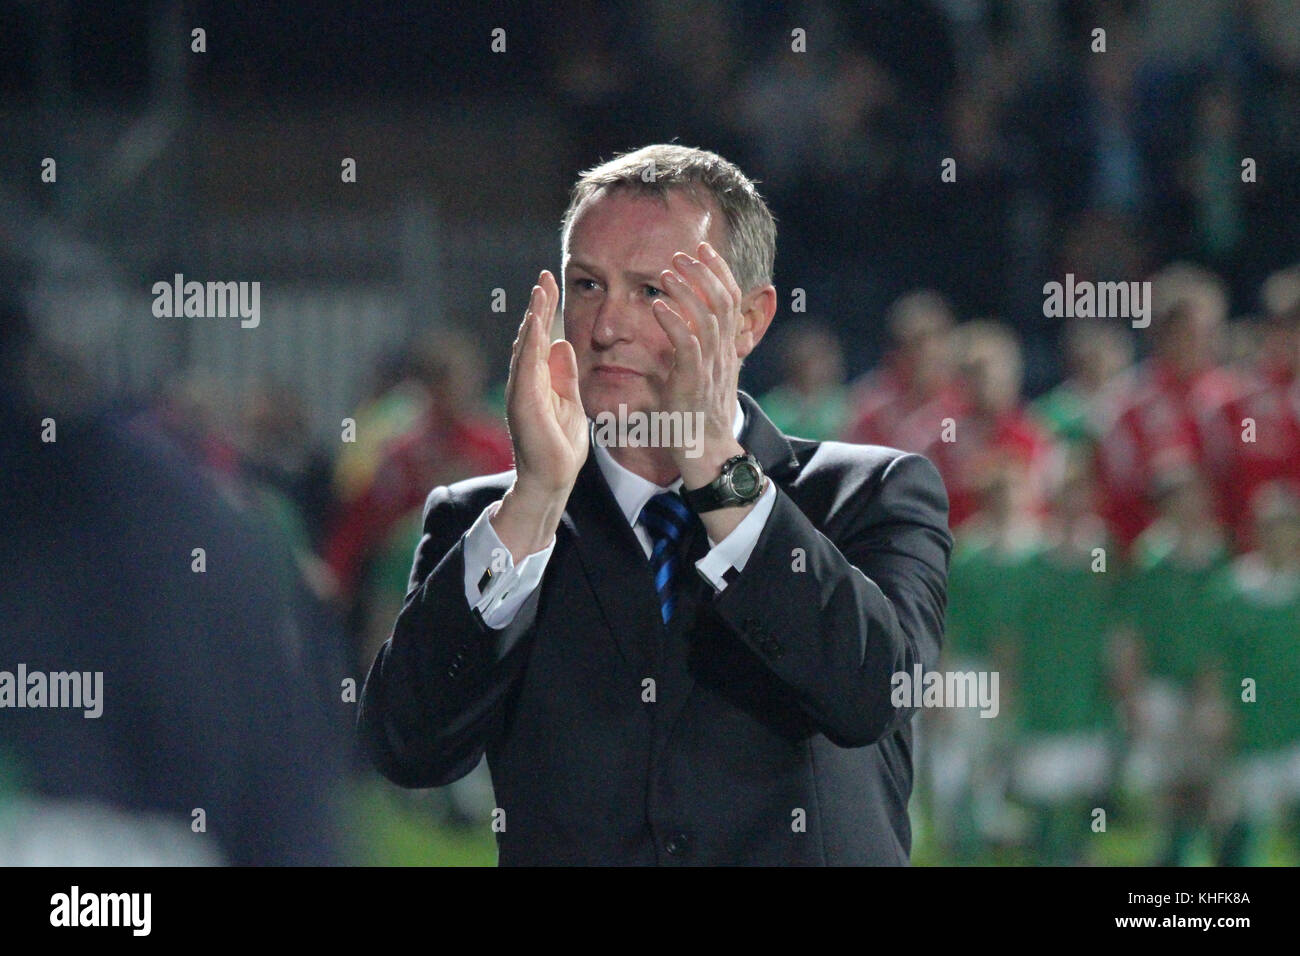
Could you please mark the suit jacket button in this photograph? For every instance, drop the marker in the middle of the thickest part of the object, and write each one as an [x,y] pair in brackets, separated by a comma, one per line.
[678,844]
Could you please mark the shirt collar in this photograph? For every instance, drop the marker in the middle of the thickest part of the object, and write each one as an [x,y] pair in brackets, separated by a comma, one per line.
[631,491]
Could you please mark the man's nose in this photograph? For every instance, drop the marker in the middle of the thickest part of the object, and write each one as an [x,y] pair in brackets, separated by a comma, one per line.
[615,322]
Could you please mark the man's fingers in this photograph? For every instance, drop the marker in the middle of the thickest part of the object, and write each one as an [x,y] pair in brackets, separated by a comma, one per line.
[563,362]
[708,284]
[519,338]
[718,266]
[544,312]
[523,363]
[532,373]
[538,344]
[687,301]
[552,290]
[711,289]
[515,347]
[684,341]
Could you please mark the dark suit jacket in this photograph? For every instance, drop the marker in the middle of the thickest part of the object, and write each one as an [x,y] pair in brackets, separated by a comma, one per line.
[771,738]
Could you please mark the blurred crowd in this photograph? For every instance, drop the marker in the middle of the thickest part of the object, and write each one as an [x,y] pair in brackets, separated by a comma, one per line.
[1065,158]
[1127,559]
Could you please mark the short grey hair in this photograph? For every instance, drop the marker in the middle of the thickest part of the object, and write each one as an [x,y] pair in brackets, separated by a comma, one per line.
[751,229]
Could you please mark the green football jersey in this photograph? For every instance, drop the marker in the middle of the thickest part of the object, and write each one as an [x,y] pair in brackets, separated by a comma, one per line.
[1058,675]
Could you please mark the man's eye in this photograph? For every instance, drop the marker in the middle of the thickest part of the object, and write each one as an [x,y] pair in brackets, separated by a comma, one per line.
[585,284]
[653,291]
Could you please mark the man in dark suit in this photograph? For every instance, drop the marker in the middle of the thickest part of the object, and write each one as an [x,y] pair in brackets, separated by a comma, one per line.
[673,652]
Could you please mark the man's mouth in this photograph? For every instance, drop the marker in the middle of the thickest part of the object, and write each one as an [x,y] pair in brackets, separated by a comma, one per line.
[616,371]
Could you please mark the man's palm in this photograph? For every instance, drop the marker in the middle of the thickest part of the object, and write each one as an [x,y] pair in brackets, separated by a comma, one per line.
[547,423]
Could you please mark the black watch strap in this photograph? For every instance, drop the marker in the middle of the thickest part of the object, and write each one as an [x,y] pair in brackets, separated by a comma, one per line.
[721,492]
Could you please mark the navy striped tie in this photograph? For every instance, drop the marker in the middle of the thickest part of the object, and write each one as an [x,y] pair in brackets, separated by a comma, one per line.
[666,516]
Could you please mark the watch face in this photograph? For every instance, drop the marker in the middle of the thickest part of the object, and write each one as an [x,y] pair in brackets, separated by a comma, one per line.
[744,479]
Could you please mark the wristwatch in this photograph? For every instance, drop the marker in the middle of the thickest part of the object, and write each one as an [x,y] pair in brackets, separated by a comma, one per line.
[742,482]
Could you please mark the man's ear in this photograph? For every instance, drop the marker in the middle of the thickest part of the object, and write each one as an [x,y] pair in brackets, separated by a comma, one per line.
[756,311]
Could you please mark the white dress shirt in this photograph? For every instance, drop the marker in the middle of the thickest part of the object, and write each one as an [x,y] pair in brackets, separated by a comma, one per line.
[511,584]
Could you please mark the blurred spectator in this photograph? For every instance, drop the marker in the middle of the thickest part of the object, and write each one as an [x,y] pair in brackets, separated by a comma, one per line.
[1056,692]
[903,401]
[1177,727]
[1214,176]
[1261,614]
[390,409]
[195,417]
[278,452]
[1111,127]
[1186,529]
[811,401]
[449,440]
[977,207]
[782,138]
[912,39]
[1074,524]
[594,84]
[1263,422]
[965,755]
[377,534]
[1176,748]
[1083,408]
[1168,417]
[212,745]
[992,425]
[1246,335]
[193,413]
[1100,245]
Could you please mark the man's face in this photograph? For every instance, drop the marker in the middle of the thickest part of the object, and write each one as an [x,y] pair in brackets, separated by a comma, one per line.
[1192,337]
[618,245]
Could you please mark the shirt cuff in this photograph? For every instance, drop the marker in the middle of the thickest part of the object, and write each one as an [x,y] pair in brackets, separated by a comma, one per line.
[735,548]
[488,562]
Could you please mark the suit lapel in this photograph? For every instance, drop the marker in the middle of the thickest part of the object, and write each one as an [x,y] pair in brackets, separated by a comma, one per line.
[615,566]
[765,441]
